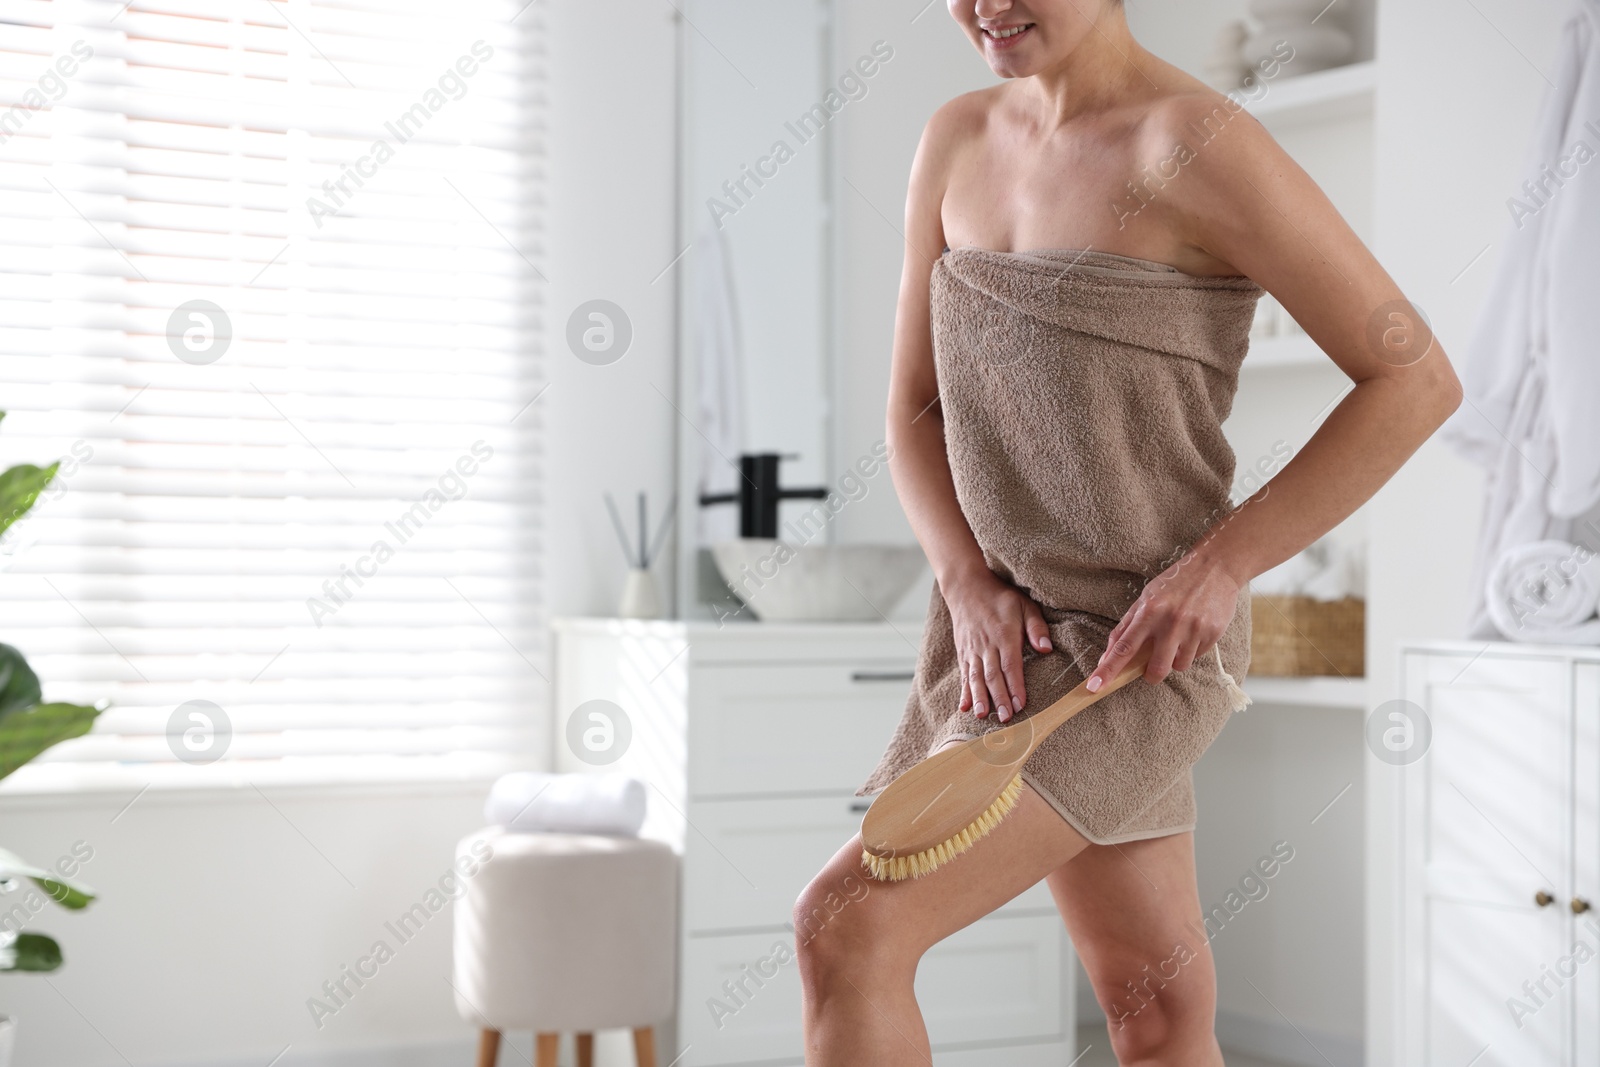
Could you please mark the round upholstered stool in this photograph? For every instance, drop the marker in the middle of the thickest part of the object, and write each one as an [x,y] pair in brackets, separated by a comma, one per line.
[565,933]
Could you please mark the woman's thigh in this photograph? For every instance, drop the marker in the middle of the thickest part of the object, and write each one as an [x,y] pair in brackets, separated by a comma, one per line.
[1134,915]
[896,922]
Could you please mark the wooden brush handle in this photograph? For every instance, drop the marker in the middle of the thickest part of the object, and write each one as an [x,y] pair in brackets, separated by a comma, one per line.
[1044,723]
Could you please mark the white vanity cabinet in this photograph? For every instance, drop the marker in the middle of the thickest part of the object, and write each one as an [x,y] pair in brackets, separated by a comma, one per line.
[1499,820]
[753,739]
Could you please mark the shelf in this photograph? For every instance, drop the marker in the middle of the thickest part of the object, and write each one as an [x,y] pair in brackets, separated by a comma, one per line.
[1286,350]
[1314,692]
[1324,95]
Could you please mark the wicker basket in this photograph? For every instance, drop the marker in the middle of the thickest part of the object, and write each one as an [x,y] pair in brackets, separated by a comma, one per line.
[1296,636]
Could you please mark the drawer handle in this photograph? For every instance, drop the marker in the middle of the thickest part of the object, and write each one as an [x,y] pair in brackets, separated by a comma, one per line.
[857,807]
[1579,905]
[882,676]
[1543,899]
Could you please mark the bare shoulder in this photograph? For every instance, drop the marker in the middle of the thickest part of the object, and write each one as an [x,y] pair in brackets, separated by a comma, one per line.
[949,135]
[1214,174]
[959,121]
[1201,123]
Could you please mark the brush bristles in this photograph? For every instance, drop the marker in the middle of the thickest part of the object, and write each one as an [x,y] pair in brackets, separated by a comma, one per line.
[899,868]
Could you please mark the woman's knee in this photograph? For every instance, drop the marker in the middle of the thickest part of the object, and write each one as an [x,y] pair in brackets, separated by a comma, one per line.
[839,928]
[1156,1003]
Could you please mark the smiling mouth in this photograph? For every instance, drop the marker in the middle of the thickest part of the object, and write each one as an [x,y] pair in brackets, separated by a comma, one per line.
[1008,34]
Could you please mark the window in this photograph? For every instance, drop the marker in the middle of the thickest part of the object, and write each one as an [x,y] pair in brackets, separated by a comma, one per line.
[270,288]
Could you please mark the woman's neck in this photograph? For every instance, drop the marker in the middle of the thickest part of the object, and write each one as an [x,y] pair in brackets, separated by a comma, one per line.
[1107,67]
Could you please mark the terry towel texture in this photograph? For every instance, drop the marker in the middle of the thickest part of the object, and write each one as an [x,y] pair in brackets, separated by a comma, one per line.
[1083,395]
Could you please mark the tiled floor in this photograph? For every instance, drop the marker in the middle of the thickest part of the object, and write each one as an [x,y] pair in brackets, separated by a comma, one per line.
[1099,1054]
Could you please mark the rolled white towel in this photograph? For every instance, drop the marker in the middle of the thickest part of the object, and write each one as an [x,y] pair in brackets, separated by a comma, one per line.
[1546,591]
[531,802]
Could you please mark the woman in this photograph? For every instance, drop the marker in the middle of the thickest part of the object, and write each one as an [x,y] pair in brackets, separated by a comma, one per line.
[1086,242]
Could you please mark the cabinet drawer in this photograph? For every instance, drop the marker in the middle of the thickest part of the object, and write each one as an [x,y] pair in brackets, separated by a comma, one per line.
[1000,979]
[747,860]
[792,728]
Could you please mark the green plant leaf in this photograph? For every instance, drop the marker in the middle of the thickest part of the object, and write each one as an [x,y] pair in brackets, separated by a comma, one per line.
[19,488]
[64,891]
[29,952]
[19,686]
[25,734]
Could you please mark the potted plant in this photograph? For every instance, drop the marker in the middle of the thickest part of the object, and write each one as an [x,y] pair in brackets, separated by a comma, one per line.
[28,726]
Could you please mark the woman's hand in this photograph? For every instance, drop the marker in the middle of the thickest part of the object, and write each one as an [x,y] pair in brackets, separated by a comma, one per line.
[1181,613]
[992,619]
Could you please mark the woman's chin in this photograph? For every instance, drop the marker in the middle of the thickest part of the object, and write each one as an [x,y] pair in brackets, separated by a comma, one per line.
[1009,66]
[1017,61]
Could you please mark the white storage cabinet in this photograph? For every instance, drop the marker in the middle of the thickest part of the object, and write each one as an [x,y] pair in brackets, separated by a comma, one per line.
[1499,830]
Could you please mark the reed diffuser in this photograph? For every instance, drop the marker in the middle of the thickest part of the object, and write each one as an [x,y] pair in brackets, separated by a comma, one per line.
[640,598]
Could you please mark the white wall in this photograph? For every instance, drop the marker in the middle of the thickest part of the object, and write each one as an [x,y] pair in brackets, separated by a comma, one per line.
[612,145]
[1458,93]
[222,912]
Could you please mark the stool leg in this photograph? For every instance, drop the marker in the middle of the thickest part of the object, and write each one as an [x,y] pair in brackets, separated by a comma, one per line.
[585,1050]
[546,1046]
[488,1048]
[644,1046]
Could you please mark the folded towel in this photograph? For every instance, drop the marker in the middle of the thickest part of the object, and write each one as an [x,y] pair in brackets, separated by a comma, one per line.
[530,802]
[1546,592]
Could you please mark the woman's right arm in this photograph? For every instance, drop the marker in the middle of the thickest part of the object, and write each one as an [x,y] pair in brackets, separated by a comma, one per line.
[991,617]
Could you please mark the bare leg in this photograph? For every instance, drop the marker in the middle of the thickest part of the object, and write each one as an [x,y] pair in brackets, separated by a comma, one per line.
[1134,916]
[859,940]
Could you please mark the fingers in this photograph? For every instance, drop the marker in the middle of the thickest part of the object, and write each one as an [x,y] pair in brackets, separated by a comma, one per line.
[974,682]
[1166,649]
[1191,650]
[1011,675]
[992,681]
[1036,635]
[1038,630]
[1117,654]
[1125,638]
[1173,648]
[994,676]
[1179,616]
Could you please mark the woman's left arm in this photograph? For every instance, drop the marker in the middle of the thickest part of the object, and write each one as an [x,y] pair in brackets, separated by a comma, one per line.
[1243,202]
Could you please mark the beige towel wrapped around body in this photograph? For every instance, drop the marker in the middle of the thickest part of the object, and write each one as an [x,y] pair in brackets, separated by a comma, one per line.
[1083,395]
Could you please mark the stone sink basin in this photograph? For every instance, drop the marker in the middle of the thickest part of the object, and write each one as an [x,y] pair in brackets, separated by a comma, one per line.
[818,583]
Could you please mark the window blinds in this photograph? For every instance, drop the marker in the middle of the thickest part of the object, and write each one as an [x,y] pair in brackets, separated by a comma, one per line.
[270,281]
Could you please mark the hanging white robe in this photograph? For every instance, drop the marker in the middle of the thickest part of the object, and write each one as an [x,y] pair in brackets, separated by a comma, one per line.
[1532,371]
[719,399]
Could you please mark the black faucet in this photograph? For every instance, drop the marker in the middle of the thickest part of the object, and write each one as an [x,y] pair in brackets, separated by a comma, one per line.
[758,494]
